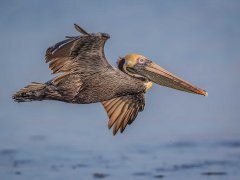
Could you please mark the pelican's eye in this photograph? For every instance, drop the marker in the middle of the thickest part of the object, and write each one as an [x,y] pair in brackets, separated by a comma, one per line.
[141,61]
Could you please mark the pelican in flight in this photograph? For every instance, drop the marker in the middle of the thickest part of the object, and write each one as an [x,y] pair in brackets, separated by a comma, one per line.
[85,76]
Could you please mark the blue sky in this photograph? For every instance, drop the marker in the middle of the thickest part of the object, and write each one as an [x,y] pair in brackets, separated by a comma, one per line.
[197,40]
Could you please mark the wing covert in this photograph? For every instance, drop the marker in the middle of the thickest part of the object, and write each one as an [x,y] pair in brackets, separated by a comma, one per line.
[83,54]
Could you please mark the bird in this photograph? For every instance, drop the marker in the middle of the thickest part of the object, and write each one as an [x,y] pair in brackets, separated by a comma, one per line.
[84,76]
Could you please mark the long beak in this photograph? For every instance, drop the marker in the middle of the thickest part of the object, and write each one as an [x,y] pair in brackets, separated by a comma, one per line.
[162,77]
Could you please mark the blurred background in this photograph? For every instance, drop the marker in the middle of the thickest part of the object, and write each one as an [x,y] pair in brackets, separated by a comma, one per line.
[178,135]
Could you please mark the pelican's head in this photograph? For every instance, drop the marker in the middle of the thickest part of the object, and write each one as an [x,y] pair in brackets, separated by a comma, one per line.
[141,67]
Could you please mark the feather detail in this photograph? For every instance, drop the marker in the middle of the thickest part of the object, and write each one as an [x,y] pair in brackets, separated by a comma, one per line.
[123,111]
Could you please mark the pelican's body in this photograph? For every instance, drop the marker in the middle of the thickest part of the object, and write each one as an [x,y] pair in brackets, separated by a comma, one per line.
[87,77]
[107,84]
[101,86]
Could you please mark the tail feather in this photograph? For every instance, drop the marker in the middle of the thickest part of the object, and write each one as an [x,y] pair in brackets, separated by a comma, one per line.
[34,91]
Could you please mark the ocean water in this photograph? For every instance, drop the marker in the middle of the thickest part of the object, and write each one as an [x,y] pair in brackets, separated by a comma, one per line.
[59,150]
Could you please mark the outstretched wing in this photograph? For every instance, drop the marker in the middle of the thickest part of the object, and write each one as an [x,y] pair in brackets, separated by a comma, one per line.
[82,54]
[123,110]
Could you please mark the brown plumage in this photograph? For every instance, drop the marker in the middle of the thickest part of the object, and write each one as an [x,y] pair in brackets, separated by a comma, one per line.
[123,110]
[85,77]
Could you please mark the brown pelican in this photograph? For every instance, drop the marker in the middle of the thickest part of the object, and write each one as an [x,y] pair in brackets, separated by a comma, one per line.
[85,77]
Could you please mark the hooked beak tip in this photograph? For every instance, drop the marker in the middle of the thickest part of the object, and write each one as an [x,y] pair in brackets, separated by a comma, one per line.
[205,93]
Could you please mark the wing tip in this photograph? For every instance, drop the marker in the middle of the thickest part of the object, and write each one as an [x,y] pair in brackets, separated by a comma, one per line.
[80,29]
[114,133]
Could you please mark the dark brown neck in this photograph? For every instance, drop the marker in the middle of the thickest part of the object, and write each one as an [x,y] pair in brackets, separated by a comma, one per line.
[121,62]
